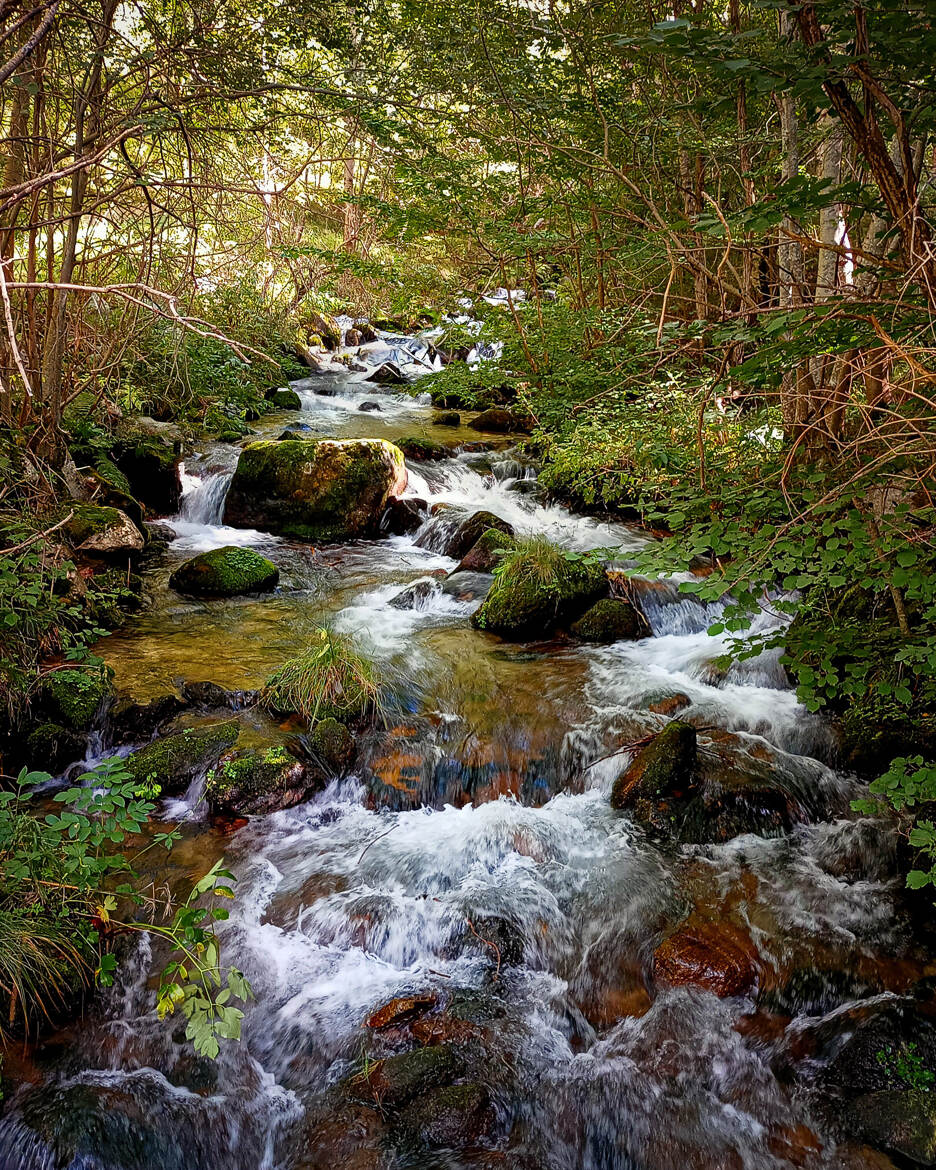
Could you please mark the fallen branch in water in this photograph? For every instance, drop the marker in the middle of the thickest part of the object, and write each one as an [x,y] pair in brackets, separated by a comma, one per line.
[487,942]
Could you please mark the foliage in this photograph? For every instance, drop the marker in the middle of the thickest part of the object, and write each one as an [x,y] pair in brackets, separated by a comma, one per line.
[906,1064]
[907,784]
[64,883]
[331,679]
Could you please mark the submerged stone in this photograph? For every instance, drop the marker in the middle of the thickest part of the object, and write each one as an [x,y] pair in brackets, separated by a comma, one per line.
[174,761]
[900,1121]
[398,1079]
[610,620]
[330,490]
[715,956]
[452,1116]
[402,517]
[447,418]
[225,572]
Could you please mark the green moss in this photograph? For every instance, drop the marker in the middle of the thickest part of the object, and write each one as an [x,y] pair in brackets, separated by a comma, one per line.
[333,744]
[225,572]
[49,747]
[609,620]
[256,782]
[483,555]
[399,1079]
[534,587]
[662,766]
[174,760]
[314,490]
[74,697]
[89,520]
[286,400]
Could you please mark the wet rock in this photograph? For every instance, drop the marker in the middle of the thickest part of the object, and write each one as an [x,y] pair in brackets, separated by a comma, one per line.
[523,604]
[149,453]
[310,490]
[900,1121]
[174,761]
[402,517]
[108,485]
[453,1116]
[366,331]
[102,533]
[369,406]
[157,532]
[670,705]
[332,745]
[464,535]
[661,769]
[75,698]
[467,586]
[225,572]
[213,697]
[417,595]
[499,421]
[294,431]
[398,1079]
[447,418]
[810,991]
[498,939]
[421,450]
[715,956]
[388,374]
[402,1010]
[253,783]
[131,721]
[610,620]
[50,747]
[353,338]
[284,399]
[483,555]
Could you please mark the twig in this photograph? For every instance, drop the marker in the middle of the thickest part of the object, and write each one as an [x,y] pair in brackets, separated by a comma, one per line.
[374,842]
[5,552]
[487,942]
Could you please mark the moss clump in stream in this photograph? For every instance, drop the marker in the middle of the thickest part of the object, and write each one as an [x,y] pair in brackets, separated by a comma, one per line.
[174,761]
[609,620]
[73,698]
[256,782]
[660,769]
[535,587]
[225,572]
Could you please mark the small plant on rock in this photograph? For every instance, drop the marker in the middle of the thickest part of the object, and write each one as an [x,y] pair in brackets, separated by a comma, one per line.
[329,679]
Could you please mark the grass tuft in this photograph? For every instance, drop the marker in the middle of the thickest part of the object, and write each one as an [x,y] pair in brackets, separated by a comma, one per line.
[328,680]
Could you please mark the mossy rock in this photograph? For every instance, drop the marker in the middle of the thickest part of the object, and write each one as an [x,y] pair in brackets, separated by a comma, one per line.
[662,768]
[225,572]
[286,400]
[101,532]
[253,783]
[50,747]
[174,761]
[447,418]
[113,489]
[519,606]
[74,698]
[483,555]
[499,421]
[421,450]
[331,743]
[900,1121]
[399,1079]
[453,1116]
[149,453]
[610,620]
[468,532]
[328,490]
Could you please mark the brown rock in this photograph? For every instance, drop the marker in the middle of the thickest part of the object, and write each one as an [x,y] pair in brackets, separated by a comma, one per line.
[715,956]
[401,1010]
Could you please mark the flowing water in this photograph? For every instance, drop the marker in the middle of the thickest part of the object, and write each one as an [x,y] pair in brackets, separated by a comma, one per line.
[480,813]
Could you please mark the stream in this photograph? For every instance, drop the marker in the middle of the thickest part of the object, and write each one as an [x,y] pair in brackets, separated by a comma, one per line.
[481,811]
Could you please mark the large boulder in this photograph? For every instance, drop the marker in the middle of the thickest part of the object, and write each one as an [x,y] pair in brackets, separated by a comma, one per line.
[251,783]
[315,490]
[102,533]
[149,453]
[174,761]
[536,589]
[610,620]
[286,399]
[225,572]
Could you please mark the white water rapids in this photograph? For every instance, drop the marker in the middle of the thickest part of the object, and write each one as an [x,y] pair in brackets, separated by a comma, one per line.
[362,894]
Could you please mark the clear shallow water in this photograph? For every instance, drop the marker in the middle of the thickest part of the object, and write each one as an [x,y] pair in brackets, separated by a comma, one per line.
[485,801]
